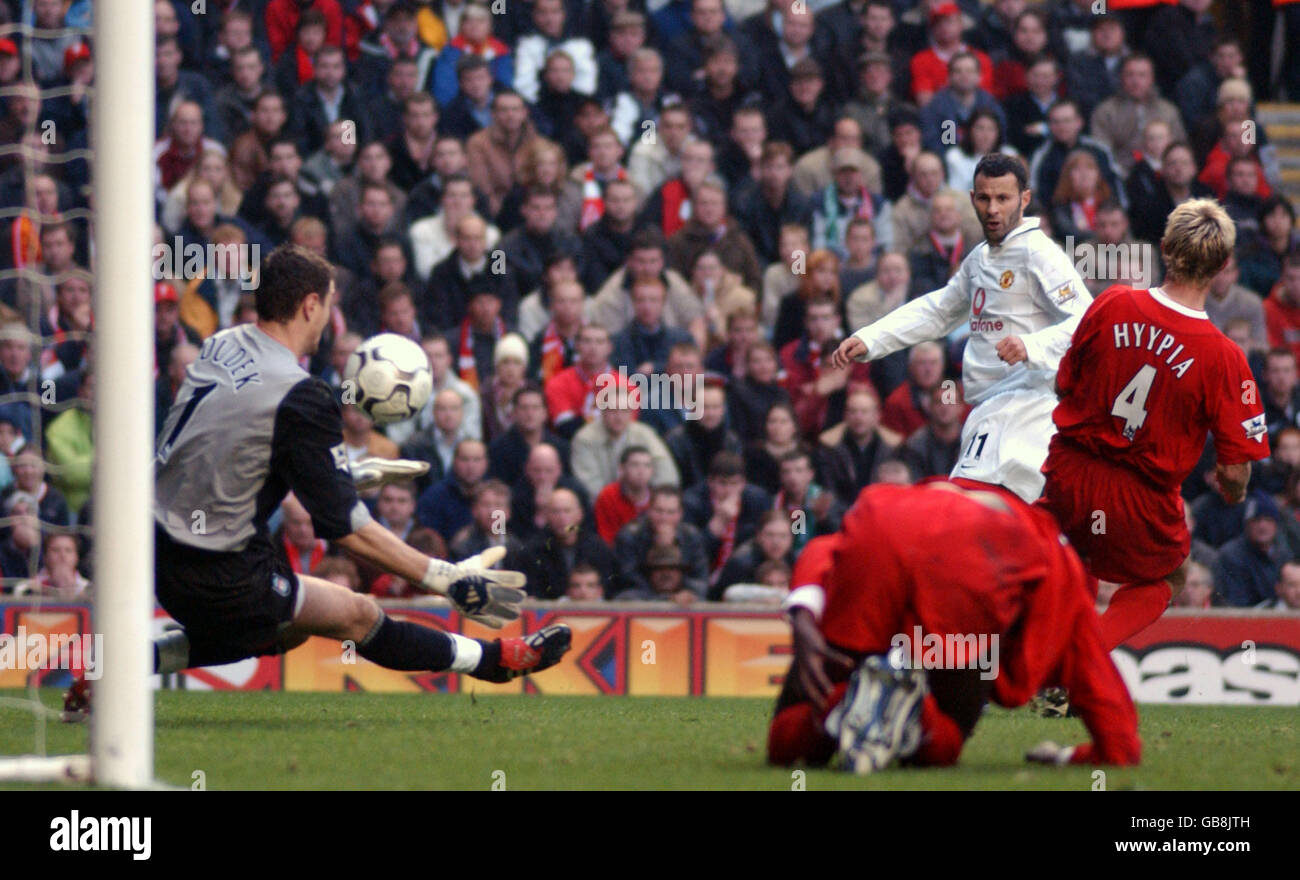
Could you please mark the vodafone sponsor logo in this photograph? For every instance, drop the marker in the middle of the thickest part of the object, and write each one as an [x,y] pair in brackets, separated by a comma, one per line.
[978,324]
[1174,673]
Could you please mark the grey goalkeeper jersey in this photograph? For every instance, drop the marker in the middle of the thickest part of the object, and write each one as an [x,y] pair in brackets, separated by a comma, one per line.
[248,425]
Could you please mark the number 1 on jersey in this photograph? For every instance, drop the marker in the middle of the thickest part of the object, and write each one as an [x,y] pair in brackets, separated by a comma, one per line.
[196,398]
[1131,403]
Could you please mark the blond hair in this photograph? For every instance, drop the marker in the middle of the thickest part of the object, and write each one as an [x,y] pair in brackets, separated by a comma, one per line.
[1199,238]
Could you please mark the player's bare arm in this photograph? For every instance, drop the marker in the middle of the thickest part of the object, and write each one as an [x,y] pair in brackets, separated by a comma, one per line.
[1233,479]
[812,656]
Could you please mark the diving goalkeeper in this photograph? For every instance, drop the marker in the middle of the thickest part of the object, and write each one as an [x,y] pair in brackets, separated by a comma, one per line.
[249,424]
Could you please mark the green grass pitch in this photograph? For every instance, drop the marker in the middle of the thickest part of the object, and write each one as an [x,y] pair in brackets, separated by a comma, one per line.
[264,740]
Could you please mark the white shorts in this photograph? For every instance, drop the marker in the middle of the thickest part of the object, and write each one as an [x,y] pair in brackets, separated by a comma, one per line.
[1004,441]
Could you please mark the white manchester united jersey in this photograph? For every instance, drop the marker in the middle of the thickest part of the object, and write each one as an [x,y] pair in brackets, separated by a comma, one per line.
[1025,286]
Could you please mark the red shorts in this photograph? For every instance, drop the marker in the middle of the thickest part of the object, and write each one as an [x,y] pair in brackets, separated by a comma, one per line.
[1126,530]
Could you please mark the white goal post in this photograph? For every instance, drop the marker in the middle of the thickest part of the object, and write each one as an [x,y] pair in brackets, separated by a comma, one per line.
[122,139]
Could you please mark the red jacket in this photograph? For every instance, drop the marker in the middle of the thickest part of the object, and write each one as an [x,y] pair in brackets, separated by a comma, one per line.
[930,72]
[1283,323]
[1215,174]
[282,21]
[615,510]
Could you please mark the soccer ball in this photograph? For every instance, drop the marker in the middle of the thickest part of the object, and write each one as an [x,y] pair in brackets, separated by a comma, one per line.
[388,377]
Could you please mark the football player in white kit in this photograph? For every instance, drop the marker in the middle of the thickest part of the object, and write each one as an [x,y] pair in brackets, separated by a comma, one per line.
[1023,299]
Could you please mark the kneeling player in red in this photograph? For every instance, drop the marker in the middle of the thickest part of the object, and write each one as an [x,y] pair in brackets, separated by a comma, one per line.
[978,574]
[1146,378]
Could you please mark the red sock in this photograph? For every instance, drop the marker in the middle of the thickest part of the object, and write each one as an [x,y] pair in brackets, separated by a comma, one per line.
[1132,609]
[941,741]
[797,734]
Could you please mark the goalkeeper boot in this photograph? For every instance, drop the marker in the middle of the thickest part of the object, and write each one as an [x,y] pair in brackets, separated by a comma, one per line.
[879,720]
[76,702]
[1051,702]
[506,659]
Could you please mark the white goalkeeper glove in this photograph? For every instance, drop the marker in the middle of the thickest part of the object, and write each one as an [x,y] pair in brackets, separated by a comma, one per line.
[483,595]
[370,473]
[1048,752]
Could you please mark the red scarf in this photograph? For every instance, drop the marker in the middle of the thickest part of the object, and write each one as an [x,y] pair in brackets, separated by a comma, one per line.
[724,550]
[173,164]
[953,258]
[306,70]
[676,201]
[410,50]
[552,352]
[466,365]
[24,243]
[489,48]
[593,197]
[295,558]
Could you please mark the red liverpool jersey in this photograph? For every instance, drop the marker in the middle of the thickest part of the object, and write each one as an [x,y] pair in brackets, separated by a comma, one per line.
[1146,379]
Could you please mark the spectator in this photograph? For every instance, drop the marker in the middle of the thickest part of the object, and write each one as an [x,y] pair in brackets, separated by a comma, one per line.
[493,153]
[910,215]
[168,384]
[445,506]
[982,135]
[772,541]
[945,118]
[928,67]
[652,162]
[1077,197]
[1092,74]
[626,498]
[584,585]
[360,438]
[618,33]
[812,510]
[510,359]
[178,152]
[294,68]
[490,526]
[29,477]
[571,393]
[329,96]
[1026,127]
[932,450]
[662,526]
[1065,125]
[528,247]
[474,38]
[397,38]
[376,219]
[606,241]
[70,445]
[803,116]
[671,205]
[412,148]
[720,95]
[1287,589]
[726,509]
[938,256]
[686,51]
[555,341]
[1249,565]
[509,450]
[1236,142]
[874,100]
[636,107]
[1198,589]
[598,445]
[1281,390]
[1152,201]
[644,345]
[1198,87]
[372,167]
[543,166]
[728,360]
[396,508]
[1118,121]
[665,573]
[1179,38]
[611,307]
[1262,254]
[695,442]
[757,392]
[1282,309]
[434,238]
[470,111]
[532,51]
[298,537]
[21,538]
[58,576]
[1229,301]
[250,154]
[565,543]
[543,473]
[438,349]
[342,571]
[849,453]
[772,203]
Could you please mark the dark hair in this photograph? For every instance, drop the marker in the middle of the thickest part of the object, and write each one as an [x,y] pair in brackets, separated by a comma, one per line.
[726,464]
[968,140]
[631,451]
[1271,204]
[288,275]
[309,17]
[419,98]
[469,61]
[404,486]
[1000,165]
[647,238]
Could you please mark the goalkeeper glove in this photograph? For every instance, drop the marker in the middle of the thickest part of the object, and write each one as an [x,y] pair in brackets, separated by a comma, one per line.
[489,597]
[370,473]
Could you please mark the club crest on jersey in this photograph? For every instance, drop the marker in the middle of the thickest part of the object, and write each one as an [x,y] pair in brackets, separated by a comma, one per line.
[1065,294]
[340,453]
[1008,278]
[1255,428]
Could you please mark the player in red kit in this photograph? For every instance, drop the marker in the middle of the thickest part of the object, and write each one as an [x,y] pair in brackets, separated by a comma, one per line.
[1145,379]
[971,568]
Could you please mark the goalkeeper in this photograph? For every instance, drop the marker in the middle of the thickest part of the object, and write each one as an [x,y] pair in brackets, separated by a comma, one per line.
[248,425]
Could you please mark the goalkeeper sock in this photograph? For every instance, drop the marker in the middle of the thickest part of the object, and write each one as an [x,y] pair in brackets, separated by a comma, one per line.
[941,741]
[406,646]
[1132,609]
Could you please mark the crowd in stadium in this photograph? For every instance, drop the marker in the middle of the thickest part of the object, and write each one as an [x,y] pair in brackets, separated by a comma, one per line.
[540,192]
